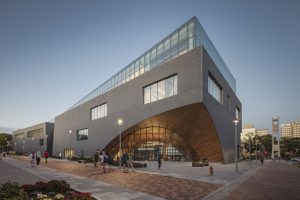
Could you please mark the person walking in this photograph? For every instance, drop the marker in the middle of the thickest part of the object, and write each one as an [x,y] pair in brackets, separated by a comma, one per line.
[124,161]
[38,158]
[96,158]
[103,160]
[159,161]
[32,159]
[130,162]
[109,161]
[46,155]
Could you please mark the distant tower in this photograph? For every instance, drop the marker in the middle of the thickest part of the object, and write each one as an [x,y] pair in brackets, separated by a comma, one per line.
[275,138]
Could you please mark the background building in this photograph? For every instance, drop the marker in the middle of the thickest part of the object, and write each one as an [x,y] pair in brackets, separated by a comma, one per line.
[291,130]
[34,138]
[177,99]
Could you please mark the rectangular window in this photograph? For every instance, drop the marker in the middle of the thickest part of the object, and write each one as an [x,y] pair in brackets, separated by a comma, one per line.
[41,142]
[160,90]
[214,89]
[35,133]
[82,134]
[147,95]
[154,92]
[99,111]
[237,113]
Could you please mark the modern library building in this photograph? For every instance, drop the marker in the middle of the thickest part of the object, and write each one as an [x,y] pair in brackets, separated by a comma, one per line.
[176,100]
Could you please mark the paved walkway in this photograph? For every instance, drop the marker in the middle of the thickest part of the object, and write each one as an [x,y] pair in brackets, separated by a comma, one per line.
[116,184]
[176,180]
[273,181]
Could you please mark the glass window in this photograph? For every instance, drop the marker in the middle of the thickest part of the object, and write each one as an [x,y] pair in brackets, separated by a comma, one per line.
[147,62]
[214,89]
[183,33]
[191,29]
[170,87]
[137,68]
[161,89]
[175,85]
[167,45]
[237,113]
[147,95]
[99,111]
[154,92]
[160,50]
[41,142]
[174,40]
[82,134]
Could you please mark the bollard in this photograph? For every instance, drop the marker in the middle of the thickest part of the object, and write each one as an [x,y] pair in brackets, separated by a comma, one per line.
[211,171]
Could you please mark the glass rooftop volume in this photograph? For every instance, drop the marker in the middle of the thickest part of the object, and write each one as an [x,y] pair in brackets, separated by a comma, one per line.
[187,37]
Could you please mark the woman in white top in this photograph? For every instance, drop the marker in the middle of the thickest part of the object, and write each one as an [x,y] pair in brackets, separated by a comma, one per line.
[32,159]
[103,160]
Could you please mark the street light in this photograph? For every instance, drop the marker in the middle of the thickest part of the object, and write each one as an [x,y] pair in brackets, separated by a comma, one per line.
[23,146]
[46,143]
[120,122]
[32,143]
[235,154]
[70,133]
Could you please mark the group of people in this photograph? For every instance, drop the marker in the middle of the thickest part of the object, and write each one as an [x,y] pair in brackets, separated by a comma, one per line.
[35,157]
[103,159]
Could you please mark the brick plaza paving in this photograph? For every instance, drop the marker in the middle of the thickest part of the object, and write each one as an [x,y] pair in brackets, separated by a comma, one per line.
[275,180]
[175,181]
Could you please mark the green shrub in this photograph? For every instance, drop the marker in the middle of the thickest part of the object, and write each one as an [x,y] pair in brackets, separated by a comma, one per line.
[12,191]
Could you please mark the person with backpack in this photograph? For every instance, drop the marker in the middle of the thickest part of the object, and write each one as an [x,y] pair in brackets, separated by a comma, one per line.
[32,159]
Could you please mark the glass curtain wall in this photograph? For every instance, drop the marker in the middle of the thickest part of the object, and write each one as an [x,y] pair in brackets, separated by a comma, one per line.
[184,39]
[148,143]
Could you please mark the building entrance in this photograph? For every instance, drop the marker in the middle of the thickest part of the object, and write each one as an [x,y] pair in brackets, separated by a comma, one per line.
[148,143]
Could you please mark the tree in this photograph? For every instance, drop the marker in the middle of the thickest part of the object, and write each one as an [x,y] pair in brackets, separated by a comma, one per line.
[290,146]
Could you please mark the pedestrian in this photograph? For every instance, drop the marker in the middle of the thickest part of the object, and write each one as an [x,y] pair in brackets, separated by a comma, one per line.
[32,159]
[46,155]
[124,161]
[261,160]
[103,160]
[159,161]
[109,161]
[130,162]
[96,158]
[3,154]
[38,158]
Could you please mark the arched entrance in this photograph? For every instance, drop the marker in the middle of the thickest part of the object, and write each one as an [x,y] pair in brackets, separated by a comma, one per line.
[147,143]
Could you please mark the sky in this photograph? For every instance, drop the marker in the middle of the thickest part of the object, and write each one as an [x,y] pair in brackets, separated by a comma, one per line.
[53,53]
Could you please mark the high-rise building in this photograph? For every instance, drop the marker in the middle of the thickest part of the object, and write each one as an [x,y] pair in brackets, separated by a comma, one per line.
[291,130]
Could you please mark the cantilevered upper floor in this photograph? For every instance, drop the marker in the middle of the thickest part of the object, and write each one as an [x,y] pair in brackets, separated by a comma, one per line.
[187,37]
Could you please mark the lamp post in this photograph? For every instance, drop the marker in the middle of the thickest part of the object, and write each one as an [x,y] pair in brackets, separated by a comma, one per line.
[120,122]
[15,148]
[23,146]
[70,133]
[46,142]
[235,154]
[32,143]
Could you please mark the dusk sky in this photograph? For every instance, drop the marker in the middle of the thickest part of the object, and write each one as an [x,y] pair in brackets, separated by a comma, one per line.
[53,53]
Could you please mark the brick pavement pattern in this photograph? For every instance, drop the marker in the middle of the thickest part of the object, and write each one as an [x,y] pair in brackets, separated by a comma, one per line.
[275,180]
[161,186]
